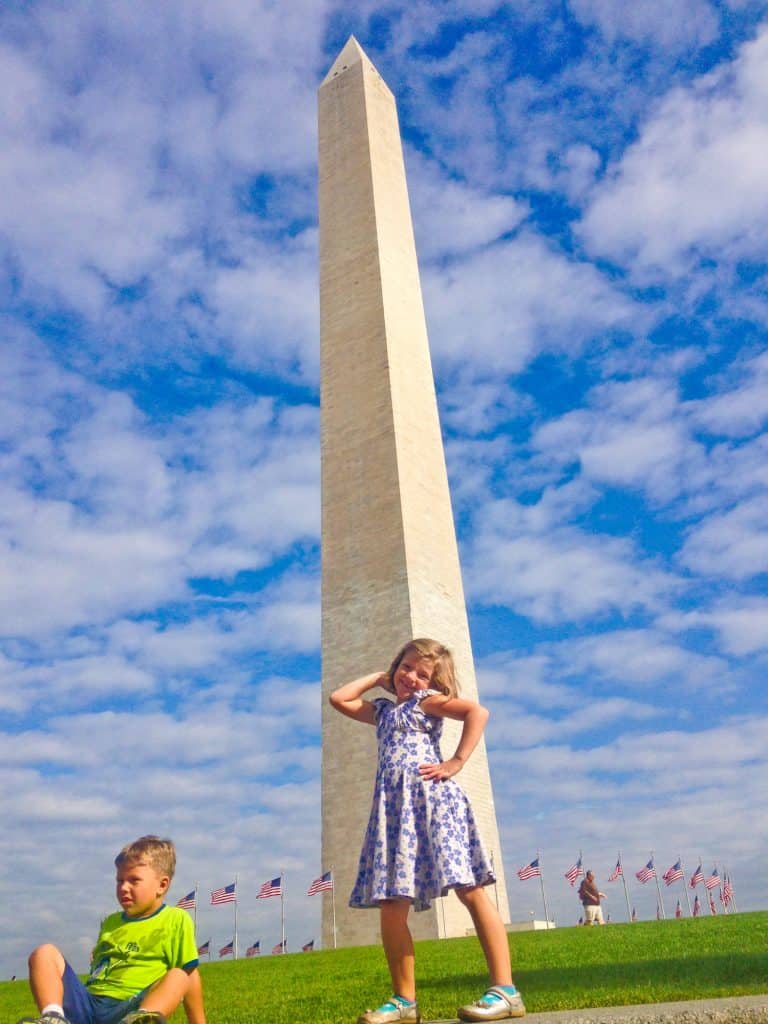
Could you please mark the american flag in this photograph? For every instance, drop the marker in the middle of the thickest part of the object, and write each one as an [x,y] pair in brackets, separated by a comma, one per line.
[187,902]
[712,907]
[321,884]
[279,947]
[531,870]
[696,906]
[205,949]
[574,871]
[255,949]
[646,873]
[678,910]
[308,946]
[713,880]
[229,948]
[696,877]
[727,891]
[658,912]
[225,895]
[673,874]
[271,888]
[616,871]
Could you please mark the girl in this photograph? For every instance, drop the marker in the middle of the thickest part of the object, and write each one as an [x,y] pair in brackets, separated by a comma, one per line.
[421,838]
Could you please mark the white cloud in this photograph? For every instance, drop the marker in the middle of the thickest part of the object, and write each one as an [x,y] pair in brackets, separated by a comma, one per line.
[639,658]
[452,216]
[732,544]
[555,573]
[743,628]
[131,511]
[514,300]
[590,717]
[695,181]
[737,411]
[741,624]
[683,24]
[139,165]
[632,436]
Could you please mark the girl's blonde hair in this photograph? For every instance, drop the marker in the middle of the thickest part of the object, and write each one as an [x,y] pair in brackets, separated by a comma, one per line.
[443,671]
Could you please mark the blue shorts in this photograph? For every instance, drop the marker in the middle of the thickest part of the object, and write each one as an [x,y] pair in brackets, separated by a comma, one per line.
[81,1007]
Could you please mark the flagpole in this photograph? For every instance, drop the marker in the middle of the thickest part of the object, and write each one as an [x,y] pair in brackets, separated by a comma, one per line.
[495,888]
[234,943]
[711,891]
[282,905]
[685,888]
[197,886]
[543,894]
[722,891]
[733,897]
[658,887]
[626,893]
[333,905]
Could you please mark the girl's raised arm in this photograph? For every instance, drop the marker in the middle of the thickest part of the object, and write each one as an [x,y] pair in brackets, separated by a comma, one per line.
[473,715]
[348,699]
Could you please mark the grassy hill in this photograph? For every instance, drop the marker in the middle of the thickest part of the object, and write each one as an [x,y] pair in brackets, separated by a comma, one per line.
[566,968]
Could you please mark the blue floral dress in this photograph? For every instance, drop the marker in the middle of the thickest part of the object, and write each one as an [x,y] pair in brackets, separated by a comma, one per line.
[422,839]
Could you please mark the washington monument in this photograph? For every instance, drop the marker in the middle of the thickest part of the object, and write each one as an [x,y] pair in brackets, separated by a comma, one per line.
[390,566]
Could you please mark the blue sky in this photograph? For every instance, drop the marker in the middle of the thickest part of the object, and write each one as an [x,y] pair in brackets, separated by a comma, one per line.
[589,190]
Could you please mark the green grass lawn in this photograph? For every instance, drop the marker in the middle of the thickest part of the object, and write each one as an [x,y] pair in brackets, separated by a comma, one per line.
[562,969]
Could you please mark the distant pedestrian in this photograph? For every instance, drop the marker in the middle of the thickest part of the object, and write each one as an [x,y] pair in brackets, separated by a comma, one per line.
[590,897]
[422,840]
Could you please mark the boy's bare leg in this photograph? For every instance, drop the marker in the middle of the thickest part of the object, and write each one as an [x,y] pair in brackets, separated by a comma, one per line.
[193,1000]
[167,993]
[46,975]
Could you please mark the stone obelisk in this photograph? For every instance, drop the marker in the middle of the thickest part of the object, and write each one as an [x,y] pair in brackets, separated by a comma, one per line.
[390,566]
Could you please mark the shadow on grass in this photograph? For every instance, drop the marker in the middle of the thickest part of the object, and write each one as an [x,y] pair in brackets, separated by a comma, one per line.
[613,984]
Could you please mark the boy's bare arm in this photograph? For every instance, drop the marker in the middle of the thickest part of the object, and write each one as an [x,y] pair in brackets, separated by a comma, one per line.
[193,1000]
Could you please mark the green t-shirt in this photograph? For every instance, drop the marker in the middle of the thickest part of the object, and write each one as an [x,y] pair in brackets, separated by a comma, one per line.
[133,953]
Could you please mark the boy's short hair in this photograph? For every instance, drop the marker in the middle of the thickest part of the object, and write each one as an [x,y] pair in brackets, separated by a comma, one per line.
[159,853]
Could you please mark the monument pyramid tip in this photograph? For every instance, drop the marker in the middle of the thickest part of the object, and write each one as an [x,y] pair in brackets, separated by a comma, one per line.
[351,53]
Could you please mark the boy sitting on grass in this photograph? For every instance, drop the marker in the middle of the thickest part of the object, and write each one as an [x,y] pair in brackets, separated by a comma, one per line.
[144,963]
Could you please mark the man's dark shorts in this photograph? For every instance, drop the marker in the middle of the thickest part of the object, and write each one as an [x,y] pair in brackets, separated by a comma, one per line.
[80,1007]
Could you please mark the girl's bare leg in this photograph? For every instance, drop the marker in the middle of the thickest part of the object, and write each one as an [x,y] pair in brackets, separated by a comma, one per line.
[491,933]
[398,947]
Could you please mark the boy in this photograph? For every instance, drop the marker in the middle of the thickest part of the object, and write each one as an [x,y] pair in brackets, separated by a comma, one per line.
[144,962]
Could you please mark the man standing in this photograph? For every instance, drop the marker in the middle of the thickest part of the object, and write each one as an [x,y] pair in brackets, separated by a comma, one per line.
[590,897]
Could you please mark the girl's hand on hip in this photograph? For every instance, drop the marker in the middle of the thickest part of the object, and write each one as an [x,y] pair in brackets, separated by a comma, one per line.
[443,770]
